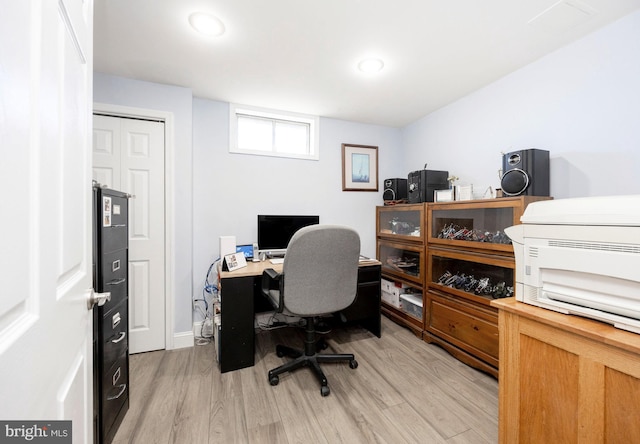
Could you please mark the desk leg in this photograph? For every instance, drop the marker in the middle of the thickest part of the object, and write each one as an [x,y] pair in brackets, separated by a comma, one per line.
[365,310]
[237,336]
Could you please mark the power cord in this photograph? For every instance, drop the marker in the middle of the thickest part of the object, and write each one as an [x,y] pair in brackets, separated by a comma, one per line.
[208,290]
[279,320]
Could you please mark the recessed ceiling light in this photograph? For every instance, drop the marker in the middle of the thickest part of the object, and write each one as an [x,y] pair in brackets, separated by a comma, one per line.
[206,24]
[370,65]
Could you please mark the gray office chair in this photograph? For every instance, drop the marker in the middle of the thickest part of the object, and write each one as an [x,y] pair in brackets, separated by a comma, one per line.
[319,277]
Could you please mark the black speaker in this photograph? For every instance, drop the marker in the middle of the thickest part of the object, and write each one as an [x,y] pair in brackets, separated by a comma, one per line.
[422,184]
[395,189]
[525,173]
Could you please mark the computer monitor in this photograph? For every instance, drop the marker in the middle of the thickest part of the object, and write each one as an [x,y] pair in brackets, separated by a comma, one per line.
[275,231]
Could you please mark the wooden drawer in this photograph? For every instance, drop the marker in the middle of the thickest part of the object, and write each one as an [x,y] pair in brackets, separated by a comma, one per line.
[472,328]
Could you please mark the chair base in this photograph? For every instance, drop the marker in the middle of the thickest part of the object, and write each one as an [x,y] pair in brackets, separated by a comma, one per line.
[310,357]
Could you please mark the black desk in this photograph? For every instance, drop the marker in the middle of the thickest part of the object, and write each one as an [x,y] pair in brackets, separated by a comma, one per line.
[241,295]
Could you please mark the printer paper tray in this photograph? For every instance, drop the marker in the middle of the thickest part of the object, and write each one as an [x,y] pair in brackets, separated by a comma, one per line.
[584,298]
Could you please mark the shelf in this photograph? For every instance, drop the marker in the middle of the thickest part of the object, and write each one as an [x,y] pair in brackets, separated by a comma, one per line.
[476,224]
[474,276]
[401,222]
[402,261]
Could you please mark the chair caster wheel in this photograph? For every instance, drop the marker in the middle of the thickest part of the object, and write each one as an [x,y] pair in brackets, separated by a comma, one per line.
[279,352]
[324,390]
[273,380]
[353,363]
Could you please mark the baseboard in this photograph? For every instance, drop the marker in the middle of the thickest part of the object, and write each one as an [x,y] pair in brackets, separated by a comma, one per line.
[183,340]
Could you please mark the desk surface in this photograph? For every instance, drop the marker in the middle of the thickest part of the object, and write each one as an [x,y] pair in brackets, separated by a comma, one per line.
[256,268]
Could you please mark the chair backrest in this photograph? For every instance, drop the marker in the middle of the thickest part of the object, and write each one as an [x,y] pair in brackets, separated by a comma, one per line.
[320,270]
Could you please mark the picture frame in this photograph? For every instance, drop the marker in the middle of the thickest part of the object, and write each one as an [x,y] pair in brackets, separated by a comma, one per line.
[464,192]
[444,195]
[359,167]
[234,261]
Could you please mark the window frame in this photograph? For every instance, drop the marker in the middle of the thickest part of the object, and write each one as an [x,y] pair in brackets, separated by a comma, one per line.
[274,116]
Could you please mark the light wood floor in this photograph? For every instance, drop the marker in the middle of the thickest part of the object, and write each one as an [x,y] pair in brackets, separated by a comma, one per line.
[403,391]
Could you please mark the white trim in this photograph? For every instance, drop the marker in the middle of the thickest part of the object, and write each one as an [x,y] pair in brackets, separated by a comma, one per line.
[312,120]
[197,330]
[169,216]
[183,340]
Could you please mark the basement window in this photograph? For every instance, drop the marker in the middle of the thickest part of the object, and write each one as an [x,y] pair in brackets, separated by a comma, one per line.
[273,133]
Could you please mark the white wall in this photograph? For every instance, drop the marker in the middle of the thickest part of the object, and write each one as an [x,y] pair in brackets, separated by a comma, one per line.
[582,103]
[230,190]
[133,93]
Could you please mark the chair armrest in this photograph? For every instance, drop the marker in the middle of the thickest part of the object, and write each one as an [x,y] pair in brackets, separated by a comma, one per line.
[272,280]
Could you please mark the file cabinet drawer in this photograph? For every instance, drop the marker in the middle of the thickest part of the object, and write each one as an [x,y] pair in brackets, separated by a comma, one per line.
[114,334]
[114,220]
[115,391]
[113,276]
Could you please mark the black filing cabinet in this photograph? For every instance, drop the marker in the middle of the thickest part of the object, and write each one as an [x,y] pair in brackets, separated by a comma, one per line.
[111,320]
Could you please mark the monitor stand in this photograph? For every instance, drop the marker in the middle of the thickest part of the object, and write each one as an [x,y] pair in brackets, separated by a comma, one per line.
[274,253]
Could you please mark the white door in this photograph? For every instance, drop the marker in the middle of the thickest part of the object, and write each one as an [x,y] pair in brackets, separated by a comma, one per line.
[46,363]
[128,155]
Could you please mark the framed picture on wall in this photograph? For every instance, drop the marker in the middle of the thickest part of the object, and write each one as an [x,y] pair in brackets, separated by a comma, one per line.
[359,167]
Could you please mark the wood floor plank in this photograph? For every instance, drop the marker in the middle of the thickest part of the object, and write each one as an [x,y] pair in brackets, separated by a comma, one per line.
[156,418]
[411,426]
[403,391]
[191,420]
[227,422]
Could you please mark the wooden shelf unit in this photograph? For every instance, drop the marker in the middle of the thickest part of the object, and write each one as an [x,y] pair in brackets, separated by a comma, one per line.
[400,236]
[466,238]
[462,237]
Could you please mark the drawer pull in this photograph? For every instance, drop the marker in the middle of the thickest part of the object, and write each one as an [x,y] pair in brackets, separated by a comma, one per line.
[116,281]
[120,338]
[115,320]
[123,387]
[118,225]
[116,376]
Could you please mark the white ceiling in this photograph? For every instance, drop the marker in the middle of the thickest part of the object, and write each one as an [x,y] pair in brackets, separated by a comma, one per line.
[301,55]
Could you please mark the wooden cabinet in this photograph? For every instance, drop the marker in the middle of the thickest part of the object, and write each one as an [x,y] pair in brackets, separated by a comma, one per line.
[470,262]
[565,378]
[454,259]
[401,250]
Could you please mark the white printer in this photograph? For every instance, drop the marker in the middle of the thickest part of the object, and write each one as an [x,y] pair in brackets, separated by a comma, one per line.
[581,256]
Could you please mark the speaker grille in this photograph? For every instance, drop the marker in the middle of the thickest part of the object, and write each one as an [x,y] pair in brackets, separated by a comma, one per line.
[514,182]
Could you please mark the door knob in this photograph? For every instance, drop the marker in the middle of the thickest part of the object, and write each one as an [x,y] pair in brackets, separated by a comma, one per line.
[97,298]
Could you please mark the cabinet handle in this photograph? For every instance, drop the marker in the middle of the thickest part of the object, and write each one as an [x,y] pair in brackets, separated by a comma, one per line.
[123,387]
[115,377]
[116,281]
[120,338]
[118,225]
[115,320]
